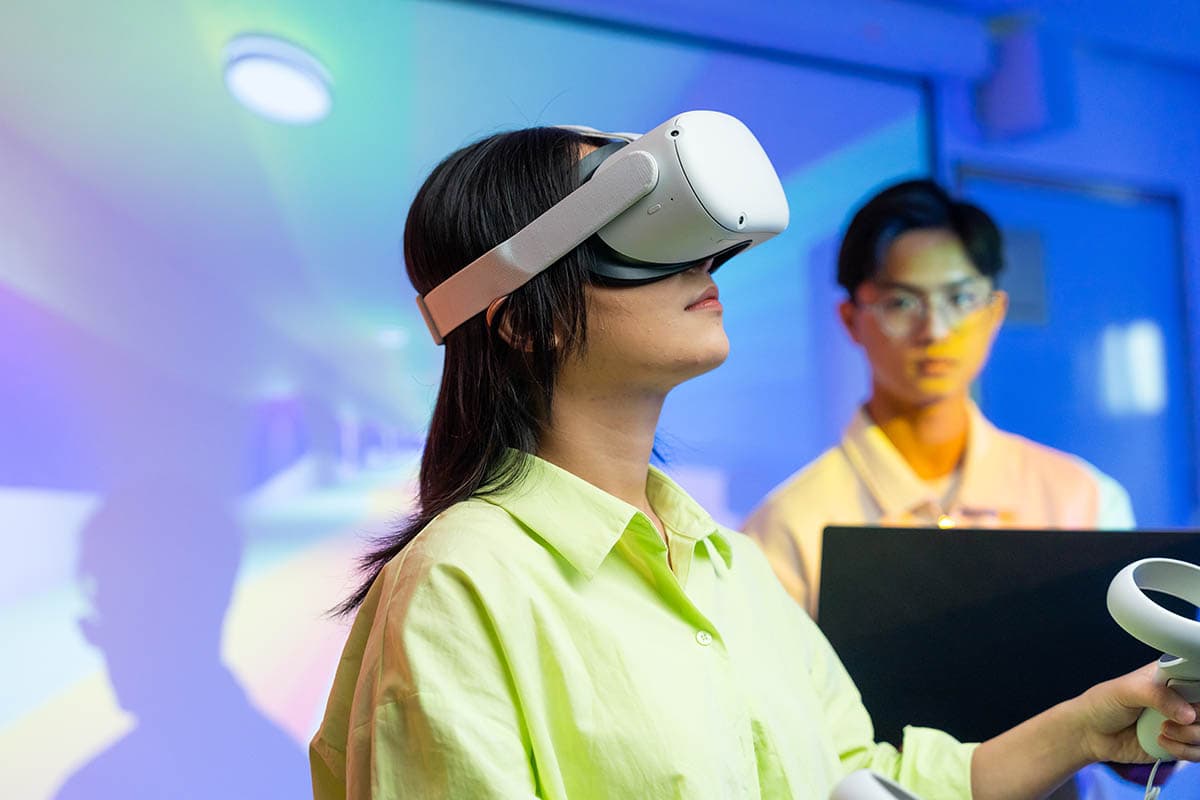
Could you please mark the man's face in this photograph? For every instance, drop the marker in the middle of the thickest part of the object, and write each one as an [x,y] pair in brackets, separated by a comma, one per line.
[926,320]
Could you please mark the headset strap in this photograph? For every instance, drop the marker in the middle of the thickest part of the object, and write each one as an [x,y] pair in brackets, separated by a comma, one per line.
[511,264]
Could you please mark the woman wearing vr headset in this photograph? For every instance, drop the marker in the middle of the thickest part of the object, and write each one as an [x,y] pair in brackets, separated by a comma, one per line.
[559,619]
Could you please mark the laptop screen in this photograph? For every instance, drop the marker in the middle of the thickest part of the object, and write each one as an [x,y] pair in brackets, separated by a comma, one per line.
[974,631]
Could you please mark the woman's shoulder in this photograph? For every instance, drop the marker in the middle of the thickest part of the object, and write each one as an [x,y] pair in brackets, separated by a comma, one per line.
[471,517]
[474,539]
[467,530]
[746,555]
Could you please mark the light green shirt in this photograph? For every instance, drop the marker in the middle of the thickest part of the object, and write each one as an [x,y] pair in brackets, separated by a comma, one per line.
[540,643]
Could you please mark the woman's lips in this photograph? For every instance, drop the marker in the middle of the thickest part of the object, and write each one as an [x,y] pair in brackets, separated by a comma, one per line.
[708,300]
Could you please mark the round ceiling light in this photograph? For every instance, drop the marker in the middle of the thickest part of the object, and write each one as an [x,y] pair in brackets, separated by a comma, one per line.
[277,79]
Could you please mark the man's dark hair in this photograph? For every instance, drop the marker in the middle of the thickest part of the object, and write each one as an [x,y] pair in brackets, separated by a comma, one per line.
[913,205]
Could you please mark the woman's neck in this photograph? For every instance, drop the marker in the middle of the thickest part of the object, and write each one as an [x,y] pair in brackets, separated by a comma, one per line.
[932,438]
[606,440]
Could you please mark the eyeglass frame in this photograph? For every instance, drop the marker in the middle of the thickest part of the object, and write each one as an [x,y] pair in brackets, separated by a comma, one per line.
[935,300]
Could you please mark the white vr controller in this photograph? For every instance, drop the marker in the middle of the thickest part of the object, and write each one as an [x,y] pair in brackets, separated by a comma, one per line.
[1179,666]
[1176,636]
[867,785]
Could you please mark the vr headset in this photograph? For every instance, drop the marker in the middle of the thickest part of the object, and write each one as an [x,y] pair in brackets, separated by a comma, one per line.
[698,186]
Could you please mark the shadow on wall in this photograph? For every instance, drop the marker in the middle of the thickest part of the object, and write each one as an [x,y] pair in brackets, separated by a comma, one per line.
[158,563]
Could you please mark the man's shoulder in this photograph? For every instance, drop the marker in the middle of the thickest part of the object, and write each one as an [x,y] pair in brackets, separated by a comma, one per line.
[830,471]
[1041,458]
[1072,476]
[811,489]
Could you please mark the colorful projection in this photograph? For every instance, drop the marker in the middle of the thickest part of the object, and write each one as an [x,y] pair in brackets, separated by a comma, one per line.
[214,381]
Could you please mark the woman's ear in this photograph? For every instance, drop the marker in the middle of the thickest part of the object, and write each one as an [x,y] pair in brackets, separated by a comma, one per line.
[498,318]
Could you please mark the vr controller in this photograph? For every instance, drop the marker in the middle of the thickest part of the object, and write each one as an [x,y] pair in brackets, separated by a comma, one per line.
[1176,636]
[1179,666]
[866,785]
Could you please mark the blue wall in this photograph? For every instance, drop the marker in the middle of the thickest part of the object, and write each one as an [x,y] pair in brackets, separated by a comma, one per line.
[1025,89]
[1132,122]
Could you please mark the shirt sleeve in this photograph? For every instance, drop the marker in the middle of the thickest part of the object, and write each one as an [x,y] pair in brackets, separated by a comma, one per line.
[1116,509]
[930,763]
[444,719]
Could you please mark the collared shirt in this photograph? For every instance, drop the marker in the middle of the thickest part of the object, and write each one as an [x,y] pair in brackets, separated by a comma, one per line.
[1007,482]
[540,643]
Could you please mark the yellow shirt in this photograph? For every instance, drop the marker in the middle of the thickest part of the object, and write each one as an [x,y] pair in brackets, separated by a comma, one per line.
[540,643]
[1007,482]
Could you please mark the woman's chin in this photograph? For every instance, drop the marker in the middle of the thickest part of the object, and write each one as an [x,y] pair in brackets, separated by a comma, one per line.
[704,360]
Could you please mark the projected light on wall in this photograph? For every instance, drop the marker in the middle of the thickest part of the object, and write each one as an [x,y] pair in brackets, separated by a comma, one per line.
[277,79]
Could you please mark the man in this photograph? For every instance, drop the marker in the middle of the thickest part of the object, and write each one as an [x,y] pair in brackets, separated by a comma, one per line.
[919,269]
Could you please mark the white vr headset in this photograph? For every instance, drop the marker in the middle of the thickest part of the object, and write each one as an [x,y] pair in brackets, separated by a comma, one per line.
[698,186]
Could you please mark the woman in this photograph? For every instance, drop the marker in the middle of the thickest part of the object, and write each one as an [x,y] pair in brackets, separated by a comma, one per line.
[561,620]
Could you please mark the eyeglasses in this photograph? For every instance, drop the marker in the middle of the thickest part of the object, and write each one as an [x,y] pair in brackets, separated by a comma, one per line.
[901,312]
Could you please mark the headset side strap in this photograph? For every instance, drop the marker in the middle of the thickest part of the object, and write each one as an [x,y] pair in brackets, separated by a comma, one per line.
[626,178]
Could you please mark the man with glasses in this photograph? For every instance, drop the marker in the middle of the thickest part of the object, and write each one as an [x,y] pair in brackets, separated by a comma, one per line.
[919,269]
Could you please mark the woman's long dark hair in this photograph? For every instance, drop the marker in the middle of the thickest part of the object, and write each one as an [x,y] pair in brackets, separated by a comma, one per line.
[496,389]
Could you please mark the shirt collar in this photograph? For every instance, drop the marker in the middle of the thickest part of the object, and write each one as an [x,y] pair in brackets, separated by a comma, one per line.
[899,491]
[986,488]
[687,523]
[888,477]
[583,523]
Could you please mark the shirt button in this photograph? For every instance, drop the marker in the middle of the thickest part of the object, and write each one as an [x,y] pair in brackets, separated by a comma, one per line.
[703,638]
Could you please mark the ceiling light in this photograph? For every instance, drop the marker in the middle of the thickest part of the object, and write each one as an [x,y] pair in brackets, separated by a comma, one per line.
[277,79]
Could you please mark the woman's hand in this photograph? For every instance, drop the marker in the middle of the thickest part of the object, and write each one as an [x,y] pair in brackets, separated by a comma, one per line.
[1108,713]
[1098,725]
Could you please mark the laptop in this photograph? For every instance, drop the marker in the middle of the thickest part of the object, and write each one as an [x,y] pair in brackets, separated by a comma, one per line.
[974,631]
